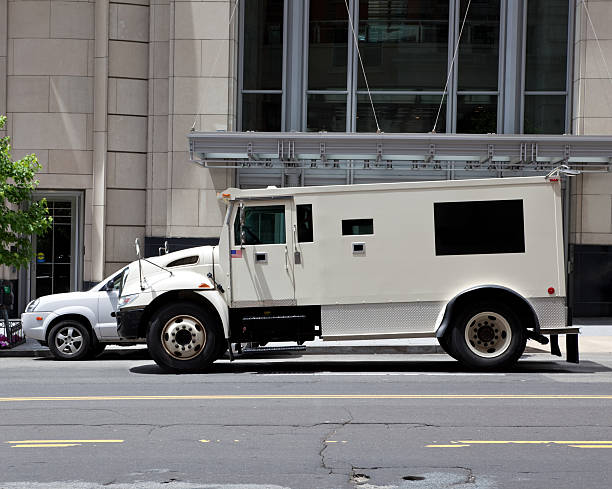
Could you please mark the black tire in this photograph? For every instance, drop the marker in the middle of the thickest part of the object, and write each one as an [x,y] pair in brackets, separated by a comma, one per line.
[69,340]
[199,344]
[97,350]
[488,336]
[446,344]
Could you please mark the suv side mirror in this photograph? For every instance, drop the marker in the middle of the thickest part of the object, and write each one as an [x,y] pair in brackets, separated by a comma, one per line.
[110,285]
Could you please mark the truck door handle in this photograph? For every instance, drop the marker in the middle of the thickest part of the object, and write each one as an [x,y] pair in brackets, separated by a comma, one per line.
[261,257]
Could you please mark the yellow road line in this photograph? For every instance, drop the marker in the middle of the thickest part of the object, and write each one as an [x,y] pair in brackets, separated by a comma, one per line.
[306,396]
[65,441]
[46,445]
[591,446]
[533,442]
[446,446]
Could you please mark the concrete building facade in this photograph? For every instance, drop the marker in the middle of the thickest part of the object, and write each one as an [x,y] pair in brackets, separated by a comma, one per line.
[104,93]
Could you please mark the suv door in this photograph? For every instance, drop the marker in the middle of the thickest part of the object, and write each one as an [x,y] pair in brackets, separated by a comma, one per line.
[107,305]
[261,268]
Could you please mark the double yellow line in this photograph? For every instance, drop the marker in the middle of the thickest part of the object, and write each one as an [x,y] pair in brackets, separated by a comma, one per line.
[54,443]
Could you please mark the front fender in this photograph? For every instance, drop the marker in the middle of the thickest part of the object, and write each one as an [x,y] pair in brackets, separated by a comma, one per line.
[80,311]
[217,301]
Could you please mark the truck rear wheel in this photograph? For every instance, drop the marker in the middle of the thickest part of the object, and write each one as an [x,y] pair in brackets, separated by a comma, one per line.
[183,338]
[487,336]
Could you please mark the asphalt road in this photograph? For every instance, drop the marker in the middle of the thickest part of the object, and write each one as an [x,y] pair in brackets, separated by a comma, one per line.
[305,422]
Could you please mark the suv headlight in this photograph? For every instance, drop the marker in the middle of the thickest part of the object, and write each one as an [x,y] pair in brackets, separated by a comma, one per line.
[126,299]
[32,305]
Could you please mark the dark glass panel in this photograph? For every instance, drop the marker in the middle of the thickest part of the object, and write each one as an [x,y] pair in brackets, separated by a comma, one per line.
[546,64]
[61,278]
[44,279]
[479,46]
[328,37]
[401,113]
[304,223]
[326,113]
[544,114]
[261,112]
[460,227]
[404,44]
[476,114]
[355,227]
[61,244]
[263,45]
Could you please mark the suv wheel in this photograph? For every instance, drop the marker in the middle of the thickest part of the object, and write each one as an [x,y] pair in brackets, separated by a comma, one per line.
[69,340]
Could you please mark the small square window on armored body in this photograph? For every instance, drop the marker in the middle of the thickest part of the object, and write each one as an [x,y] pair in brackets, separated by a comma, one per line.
[355,227]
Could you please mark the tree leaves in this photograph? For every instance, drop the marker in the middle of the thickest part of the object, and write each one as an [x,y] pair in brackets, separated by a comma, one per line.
[20,215]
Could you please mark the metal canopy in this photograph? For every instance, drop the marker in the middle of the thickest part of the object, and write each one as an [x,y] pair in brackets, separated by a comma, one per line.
[398,151]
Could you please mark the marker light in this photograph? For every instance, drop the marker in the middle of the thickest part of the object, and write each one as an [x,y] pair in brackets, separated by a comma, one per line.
[551,290]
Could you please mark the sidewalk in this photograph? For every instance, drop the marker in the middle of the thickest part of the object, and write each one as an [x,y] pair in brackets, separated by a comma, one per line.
[596,337]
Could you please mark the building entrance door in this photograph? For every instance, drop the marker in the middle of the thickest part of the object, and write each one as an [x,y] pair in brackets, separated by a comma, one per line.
[54,264]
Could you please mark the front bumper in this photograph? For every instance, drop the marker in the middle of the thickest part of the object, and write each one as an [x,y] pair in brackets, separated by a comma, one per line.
[129,323]
[35,328]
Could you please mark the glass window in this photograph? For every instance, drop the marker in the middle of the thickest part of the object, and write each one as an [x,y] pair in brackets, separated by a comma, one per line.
[263,45]
[354,227]
[404,44]
[328,45]
[188,260]
[476,114]
[326,113]
[479,47]
[479,227]
[262,225]
[304,223]
[544,114]
[401,113]
[546,47]
[261,112]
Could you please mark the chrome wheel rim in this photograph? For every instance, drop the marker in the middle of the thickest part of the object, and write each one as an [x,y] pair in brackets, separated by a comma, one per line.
[69,341]
[183,337]
[488,334]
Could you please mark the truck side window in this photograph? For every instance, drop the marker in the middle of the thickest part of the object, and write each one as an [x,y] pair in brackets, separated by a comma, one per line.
[304,223]
[262,225]
[479,227]
[353,227]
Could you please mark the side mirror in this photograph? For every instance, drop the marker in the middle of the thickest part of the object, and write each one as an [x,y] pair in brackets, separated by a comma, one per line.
[110,285]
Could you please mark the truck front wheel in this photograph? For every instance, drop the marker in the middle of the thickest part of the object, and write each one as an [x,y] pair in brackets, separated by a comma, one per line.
[183,337]
[488,336]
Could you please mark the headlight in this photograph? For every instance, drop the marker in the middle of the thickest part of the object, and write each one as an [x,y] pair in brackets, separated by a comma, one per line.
[126,299]
[32,305]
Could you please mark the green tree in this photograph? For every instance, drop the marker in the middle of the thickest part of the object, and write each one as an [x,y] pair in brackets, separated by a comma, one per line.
[20,215]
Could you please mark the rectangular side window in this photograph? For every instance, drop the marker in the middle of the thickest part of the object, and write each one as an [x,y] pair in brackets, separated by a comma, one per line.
[479,227]
[262,225]
[304,223]
[354,227]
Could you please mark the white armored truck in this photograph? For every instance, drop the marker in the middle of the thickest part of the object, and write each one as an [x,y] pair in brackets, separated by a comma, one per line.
[478,264]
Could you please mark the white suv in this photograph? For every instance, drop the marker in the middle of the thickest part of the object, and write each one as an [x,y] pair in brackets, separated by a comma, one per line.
[77,325]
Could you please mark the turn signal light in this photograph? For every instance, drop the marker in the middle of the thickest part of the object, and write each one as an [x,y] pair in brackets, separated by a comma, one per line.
[551,290]
[39,318]
[204,286]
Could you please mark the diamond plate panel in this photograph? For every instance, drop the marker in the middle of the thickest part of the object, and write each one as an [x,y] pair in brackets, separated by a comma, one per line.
[363,319]
[551,311]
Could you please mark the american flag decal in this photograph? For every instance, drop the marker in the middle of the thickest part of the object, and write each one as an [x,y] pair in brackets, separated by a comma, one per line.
[236,253]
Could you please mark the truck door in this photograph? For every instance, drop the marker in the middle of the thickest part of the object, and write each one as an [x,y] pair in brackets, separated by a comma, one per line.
[261,267]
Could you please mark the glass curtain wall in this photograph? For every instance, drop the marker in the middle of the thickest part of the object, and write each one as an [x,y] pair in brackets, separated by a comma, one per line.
[406,47]
[405,50]
[262,65]
[546,67]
